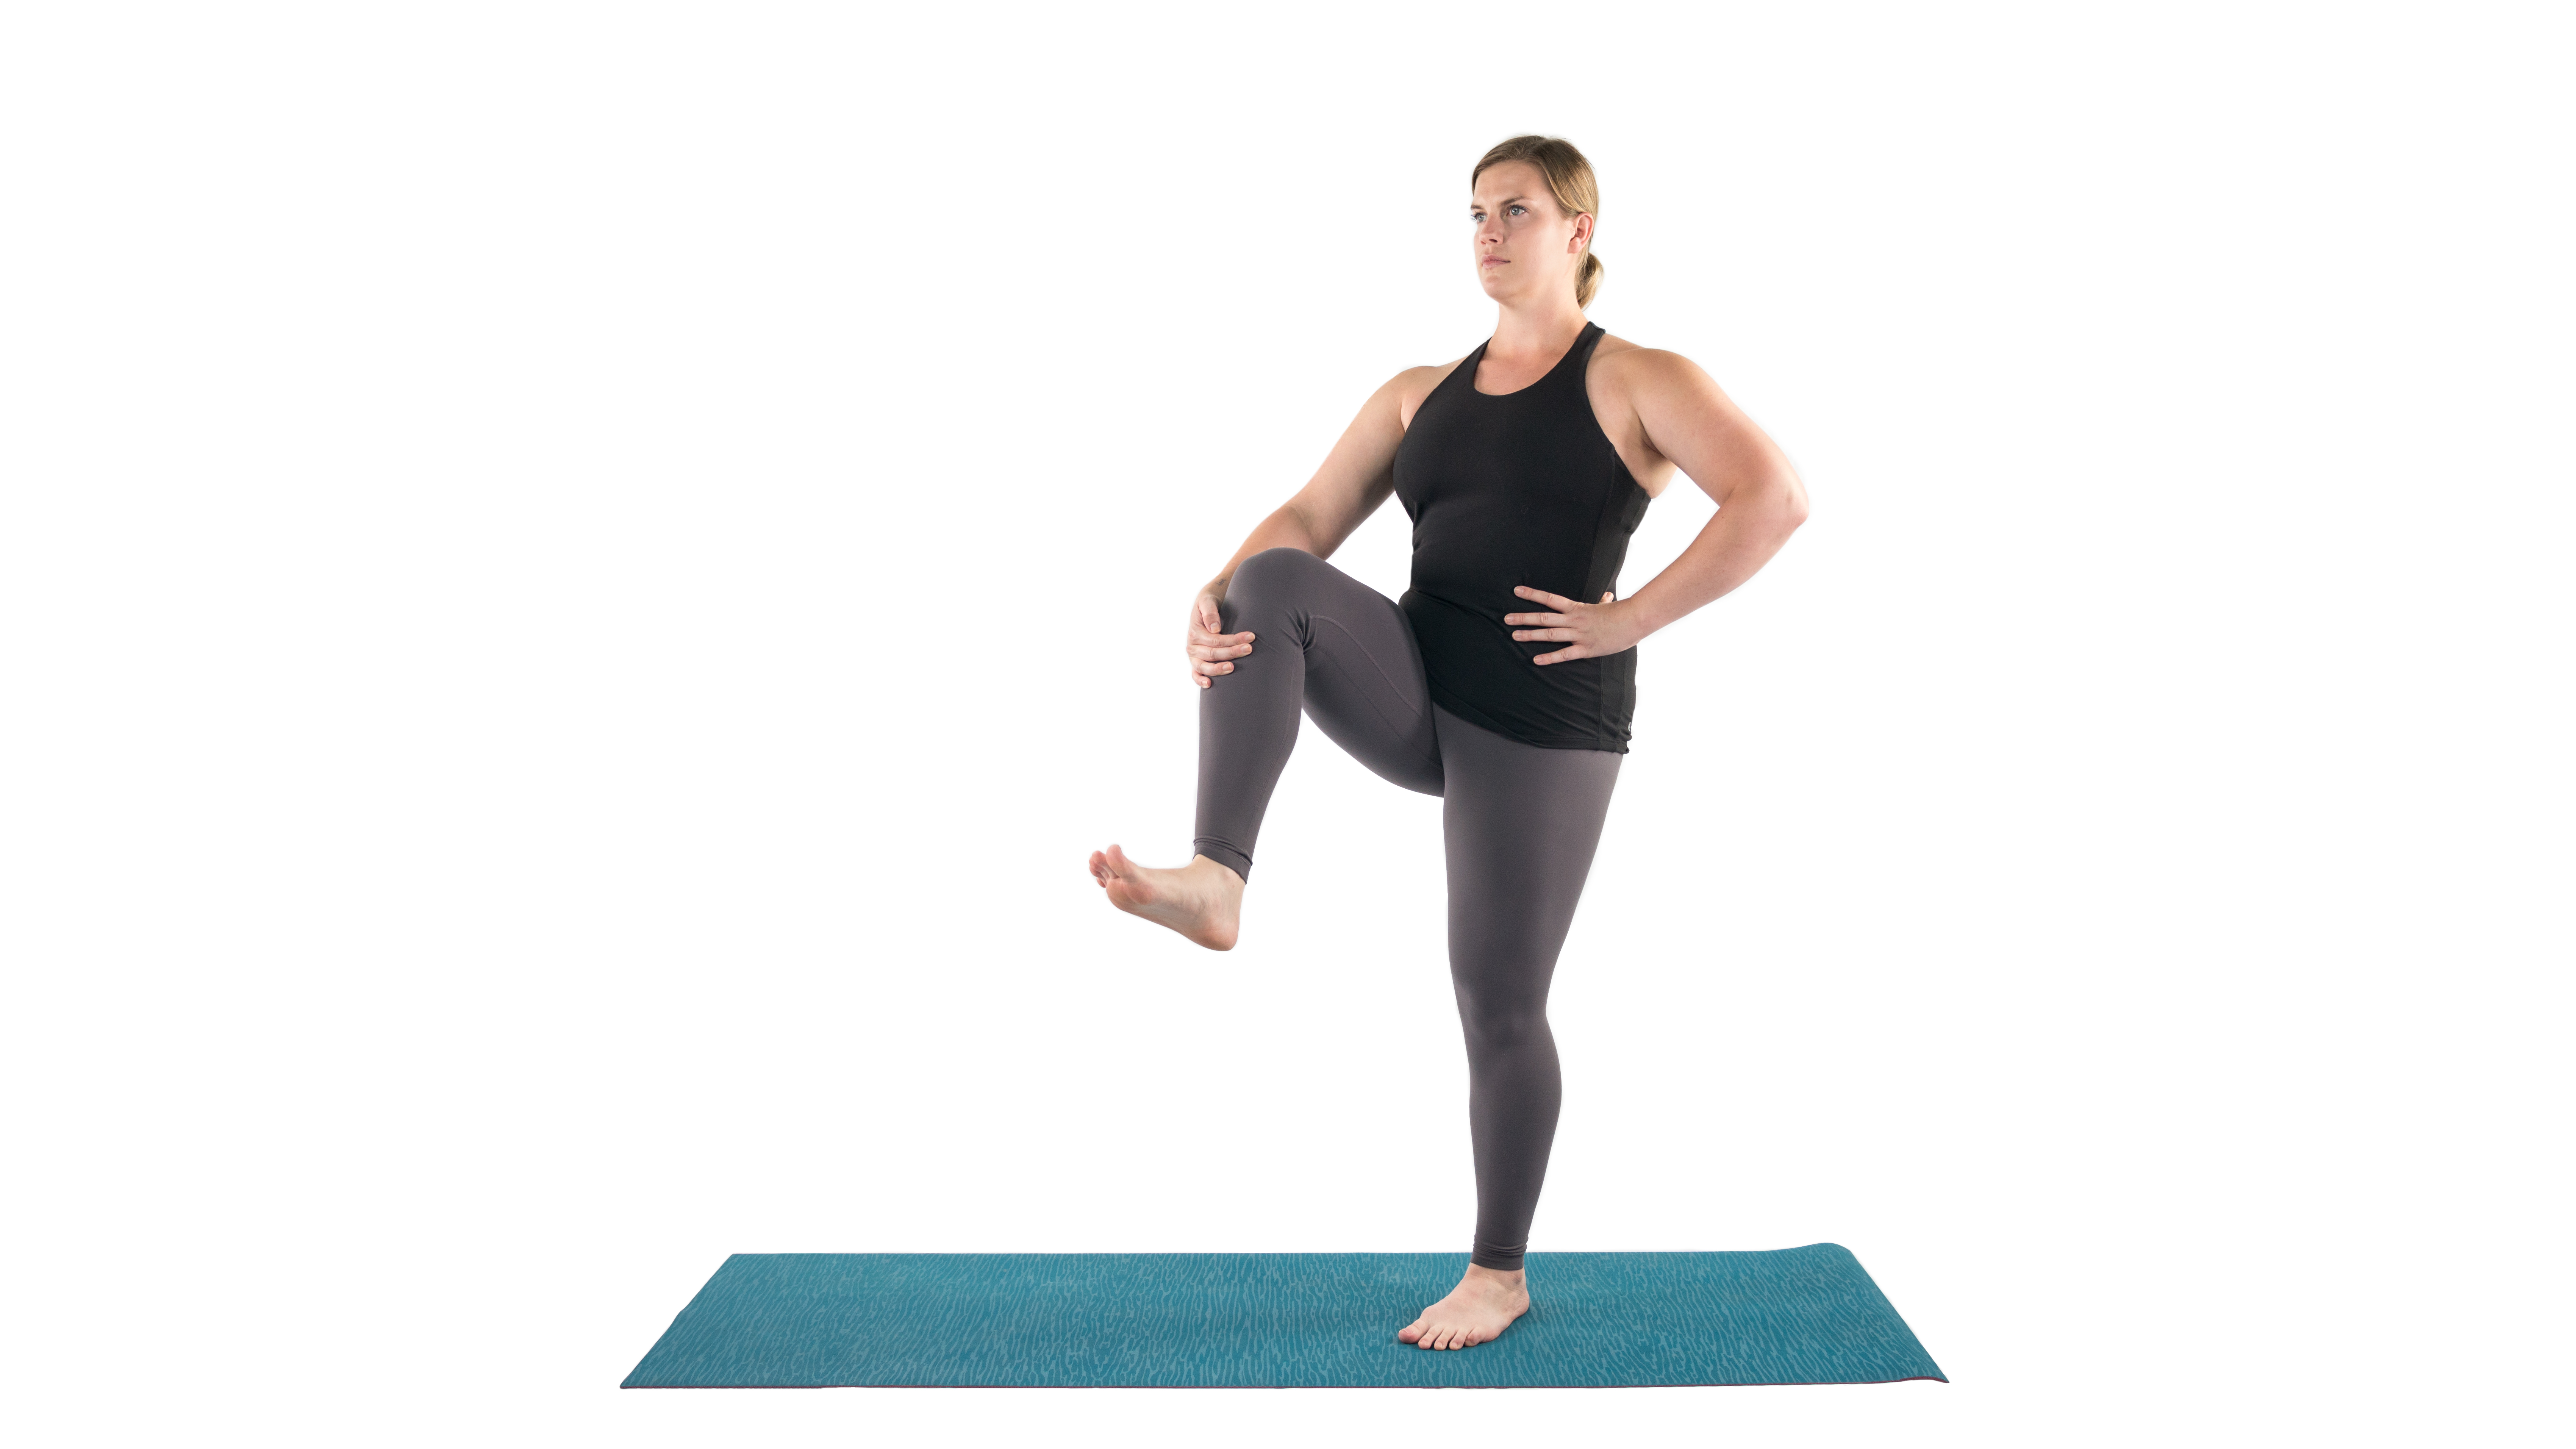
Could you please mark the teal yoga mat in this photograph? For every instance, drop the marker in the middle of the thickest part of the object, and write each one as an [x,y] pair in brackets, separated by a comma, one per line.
[1276,1320]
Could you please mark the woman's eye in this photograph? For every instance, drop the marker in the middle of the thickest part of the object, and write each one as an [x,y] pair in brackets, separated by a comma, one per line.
[1520,208]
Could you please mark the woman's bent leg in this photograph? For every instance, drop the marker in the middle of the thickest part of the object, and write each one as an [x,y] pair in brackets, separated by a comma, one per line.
[1328,645]
[1520,823]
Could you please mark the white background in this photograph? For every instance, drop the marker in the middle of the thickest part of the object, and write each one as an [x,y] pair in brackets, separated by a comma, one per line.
[580,581]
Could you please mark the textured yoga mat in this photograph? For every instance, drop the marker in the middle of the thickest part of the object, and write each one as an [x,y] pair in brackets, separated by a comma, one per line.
[1276,1320]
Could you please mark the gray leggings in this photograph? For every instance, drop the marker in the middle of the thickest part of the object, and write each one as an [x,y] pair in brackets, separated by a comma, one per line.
[1519,824]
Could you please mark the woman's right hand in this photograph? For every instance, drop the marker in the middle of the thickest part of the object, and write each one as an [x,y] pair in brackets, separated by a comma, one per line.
[1209,650]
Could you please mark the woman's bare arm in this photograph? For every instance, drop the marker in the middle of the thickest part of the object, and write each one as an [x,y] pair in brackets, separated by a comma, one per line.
[1356,476]
[1760,501]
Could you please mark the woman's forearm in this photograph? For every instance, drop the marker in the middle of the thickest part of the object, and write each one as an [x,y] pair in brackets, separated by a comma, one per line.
[1284,528]
[1756,520]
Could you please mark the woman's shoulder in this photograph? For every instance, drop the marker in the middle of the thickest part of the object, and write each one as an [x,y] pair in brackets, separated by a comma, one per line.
[1623,358]
[1623,375]
[1415,385]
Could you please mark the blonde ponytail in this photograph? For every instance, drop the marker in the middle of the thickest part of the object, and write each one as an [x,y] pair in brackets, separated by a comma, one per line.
[1588,281]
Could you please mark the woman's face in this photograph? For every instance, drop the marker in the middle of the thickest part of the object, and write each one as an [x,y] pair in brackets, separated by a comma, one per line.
[1525,247]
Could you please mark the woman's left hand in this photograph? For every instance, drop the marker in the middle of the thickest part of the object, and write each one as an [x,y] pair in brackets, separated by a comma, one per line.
[1586,630]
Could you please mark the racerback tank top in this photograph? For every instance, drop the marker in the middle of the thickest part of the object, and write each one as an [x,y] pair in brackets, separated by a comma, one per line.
[1517,488]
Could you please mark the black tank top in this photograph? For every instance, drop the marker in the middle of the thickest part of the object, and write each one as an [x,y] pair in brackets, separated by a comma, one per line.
[1520,488]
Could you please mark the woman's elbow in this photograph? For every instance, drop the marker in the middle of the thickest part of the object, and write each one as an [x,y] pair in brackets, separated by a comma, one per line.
[1790,505]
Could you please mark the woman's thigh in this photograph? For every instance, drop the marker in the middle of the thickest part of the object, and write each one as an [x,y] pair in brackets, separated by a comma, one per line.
[1520,824]
[1365,686]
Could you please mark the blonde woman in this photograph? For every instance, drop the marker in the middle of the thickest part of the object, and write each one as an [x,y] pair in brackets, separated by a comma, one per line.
[1503,681]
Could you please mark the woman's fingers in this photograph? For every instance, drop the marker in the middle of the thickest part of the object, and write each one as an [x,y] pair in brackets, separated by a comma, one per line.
[1203,647]
[1554,627]
[1566,610]
[1542,626]
[1216,661]
[1210,651]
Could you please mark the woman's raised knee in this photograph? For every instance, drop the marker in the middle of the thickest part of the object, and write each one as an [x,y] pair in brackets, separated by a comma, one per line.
[1270,580]
[1269,566]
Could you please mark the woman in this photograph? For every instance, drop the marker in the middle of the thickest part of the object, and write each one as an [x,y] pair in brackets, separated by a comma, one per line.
[1503,680]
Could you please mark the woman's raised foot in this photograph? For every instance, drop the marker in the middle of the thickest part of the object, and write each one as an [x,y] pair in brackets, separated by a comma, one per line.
[1202,900]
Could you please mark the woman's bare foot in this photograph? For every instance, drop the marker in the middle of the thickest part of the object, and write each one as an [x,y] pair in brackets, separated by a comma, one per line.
[1476,1311]
[1202,900]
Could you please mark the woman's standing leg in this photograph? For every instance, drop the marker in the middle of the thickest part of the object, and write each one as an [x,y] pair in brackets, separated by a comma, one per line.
[1324,645]
[1521,824]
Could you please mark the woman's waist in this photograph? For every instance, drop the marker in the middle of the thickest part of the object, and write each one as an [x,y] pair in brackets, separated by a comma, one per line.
[1447,629]
[1488,595]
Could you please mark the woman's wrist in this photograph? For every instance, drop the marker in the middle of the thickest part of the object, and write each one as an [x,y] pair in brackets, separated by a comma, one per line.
[1641,615]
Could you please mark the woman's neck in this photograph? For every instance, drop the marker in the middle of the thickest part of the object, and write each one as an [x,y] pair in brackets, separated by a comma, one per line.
[1536,333]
